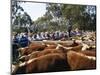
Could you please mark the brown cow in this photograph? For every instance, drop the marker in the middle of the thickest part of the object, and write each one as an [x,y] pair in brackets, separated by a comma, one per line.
[37,47]
[39,53]
[49,62]
[23,51]
[45,63]
[89,53]
[65,49]
[30,56]
[31,48]
[51,46]
[71,44]
[78,61]
[49,51]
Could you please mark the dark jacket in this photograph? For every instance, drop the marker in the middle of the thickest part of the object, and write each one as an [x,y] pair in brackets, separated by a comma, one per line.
[24,41]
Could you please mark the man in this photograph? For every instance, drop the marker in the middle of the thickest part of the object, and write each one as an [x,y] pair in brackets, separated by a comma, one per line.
[23,41]
[69,27]
[15,47]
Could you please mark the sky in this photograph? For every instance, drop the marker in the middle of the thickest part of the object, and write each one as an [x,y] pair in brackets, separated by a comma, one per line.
[35,10]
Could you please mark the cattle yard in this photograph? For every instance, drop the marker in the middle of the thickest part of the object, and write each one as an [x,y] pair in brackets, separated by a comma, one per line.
[56,37]
[55,56]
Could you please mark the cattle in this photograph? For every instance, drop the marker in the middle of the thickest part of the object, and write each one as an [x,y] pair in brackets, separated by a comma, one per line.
[70,44]
[24,57]
[39,53]
[33,55]
[51,47]
[81,61]
[89,53]
[31,48]
[37,47]
[92,48]
[75,47]
[45,63]
[30,56]
[85,47]
[74,43]
[52,57]
[65,49]
[49,51]
[23,51]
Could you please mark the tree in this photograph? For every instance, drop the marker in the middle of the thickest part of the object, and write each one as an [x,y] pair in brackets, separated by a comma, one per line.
[20,18]
[81,16]
[16,10]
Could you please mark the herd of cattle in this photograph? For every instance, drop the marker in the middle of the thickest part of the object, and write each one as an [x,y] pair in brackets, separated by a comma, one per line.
[55,56]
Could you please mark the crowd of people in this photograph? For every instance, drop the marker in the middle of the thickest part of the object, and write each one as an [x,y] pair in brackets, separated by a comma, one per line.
[57,35]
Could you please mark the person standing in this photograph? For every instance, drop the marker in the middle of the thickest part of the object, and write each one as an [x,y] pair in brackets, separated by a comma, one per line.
[23,41]
[15,46]
[69,27]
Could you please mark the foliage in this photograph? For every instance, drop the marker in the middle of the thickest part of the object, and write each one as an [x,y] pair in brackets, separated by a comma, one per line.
[20,18]
[57,17]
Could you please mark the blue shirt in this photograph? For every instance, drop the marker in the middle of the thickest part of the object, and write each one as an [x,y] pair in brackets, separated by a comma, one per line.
[23,41]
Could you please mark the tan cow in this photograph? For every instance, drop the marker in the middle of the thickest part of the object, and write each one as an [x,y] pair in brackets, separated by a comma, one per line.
[81,61]
[39,53]
[65,49]
[50,51]
[29,56]
[31,48]
[45,63]
[51,46]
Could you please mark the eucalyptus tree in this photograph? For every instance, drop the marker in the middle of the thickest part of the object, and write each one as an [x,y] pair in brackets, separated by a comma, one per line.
[20,18]
[80,16]
[16,12]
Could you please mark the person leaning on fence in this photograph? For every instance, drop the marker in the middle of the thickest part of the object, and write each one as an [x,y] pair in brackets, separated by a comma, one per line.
[23,41]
